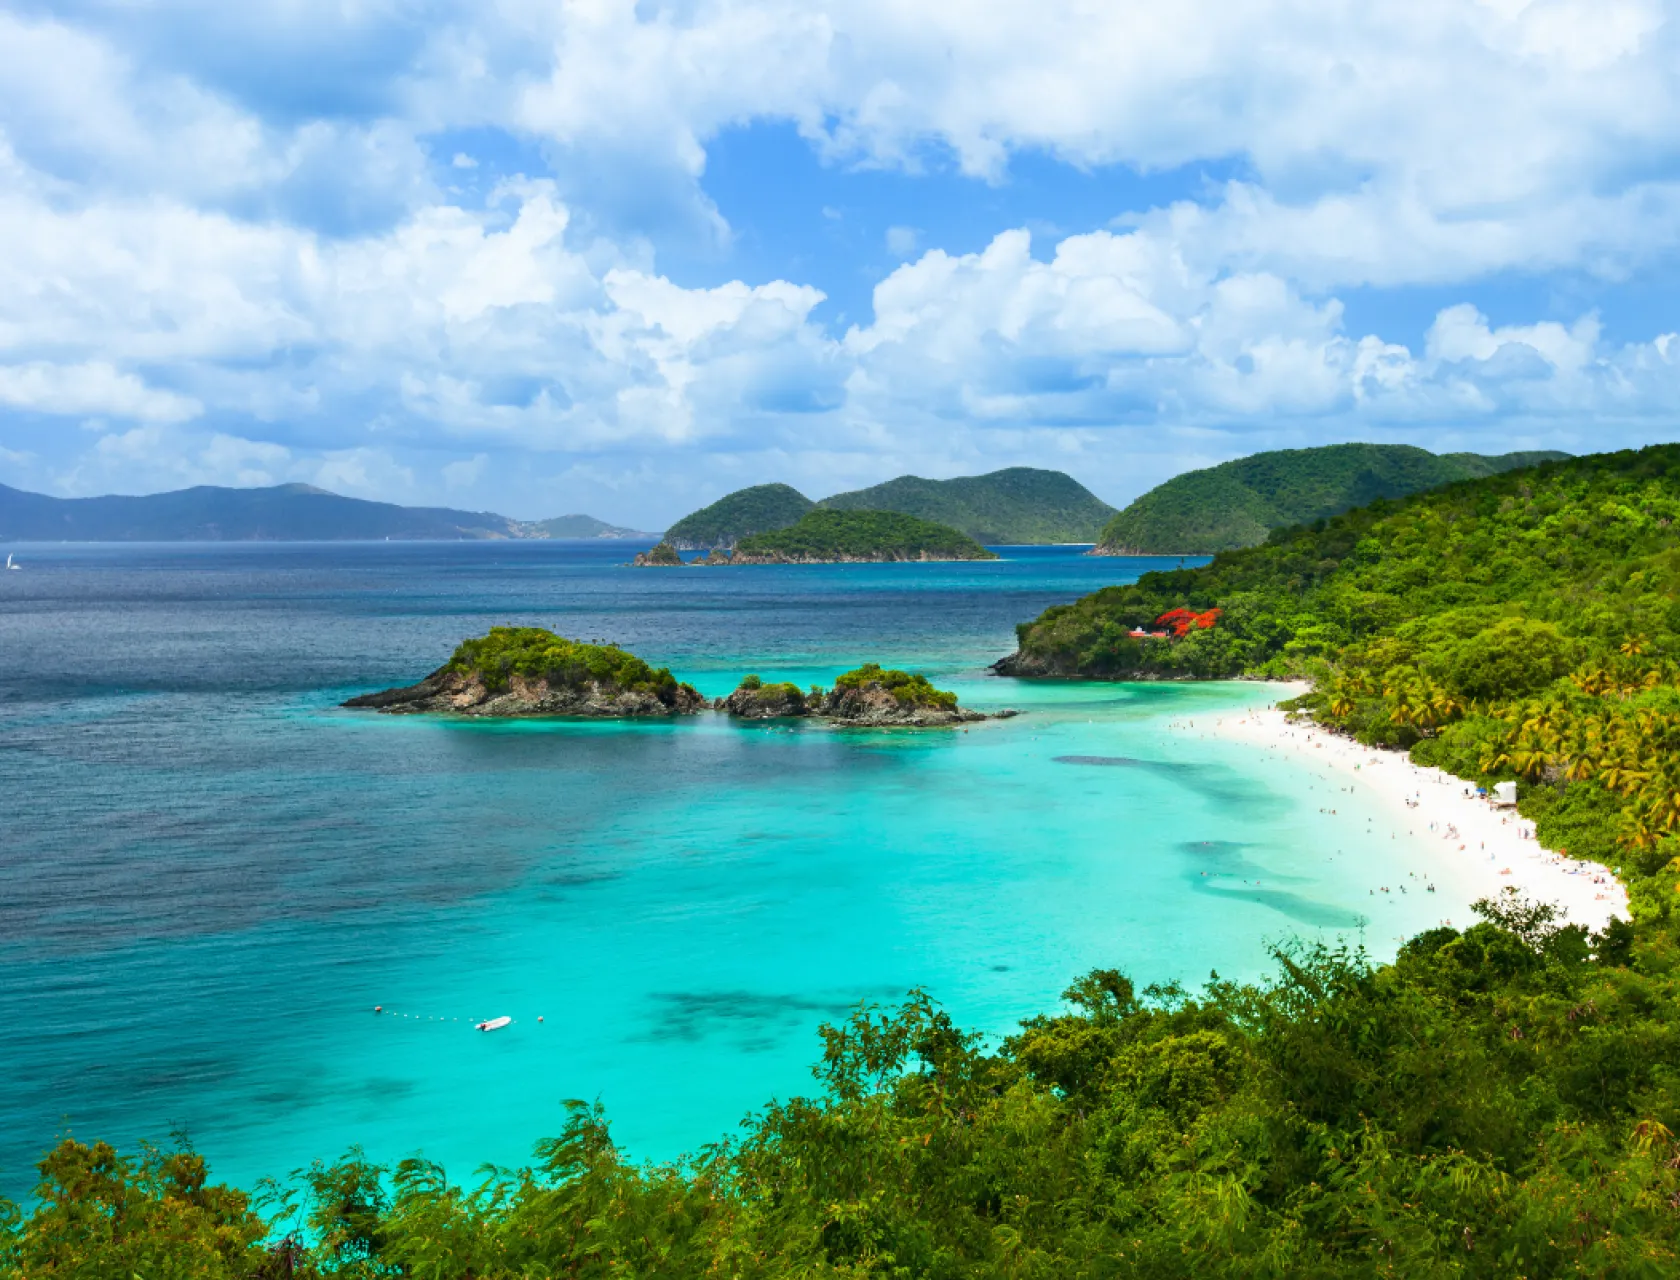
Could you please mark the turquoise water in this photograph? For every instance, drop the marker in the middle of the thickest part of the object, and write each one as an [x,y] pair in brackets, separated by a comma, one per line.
[211,875]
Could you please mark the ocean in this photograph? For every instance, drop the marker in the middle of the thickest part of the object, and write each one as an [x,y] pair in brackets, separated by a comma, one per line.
[210,875]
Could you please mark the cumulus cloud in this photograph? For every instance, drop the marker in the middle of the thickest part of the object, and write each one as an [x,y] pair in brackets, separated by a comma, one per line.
[93,388]
[245,275]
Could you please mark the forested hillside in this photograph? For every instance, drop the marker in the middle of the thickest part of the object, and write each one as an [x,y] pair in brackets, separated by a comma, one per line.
[1236,504]
[1014,506]
[760,509]
[828,536]
[1501,1101]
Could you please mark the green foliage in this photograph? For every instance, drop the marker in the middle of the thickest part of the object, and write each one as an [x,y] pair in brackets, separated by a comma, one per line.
[864,535]
[533,654]
[737,515]
[1236,504]
[1014,506]
[1513,656]
[100,1215]
[777,698]
[911,690]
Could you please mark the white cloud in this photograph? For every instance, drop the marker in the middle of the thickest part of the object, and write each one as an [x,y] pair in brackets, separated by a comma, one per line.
[92,388]
[250,274]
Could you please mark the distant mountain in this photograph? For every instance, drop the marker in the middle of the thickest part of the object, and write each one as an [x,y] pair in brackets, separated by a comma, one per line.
[761,509]
[580,527]
[282,513]
[1016,505]
[1238,503]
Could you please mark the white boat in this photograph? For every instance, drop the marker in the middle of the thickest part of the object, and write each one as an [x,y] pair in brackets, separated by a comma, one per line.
[493,1024]
[9,563]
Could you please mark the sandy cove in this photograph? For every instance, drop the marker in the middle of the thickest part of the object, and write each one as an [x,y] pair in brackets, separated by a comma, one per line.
[1487,849]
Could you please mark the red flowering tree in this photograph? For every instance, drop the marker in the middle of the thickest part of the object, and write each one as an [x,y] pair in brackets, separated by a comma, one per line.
[1182,621]
[1179,620]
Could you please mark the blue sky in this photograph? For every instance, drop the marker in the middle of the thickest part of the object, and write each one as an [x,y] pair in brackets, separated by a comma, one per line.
[620,257]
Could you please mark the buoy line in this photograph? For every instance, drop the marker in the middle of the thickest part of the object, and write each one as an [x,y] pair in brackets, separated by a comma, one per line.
[482,1024]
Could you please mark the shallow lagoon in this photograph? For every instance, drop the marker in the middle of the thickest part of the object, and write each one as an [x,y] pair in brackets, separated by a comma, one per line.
[209,875]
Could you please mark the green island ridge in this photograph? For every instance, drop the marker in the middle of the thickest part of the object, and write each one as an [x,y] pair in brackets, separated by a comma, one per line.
[530,671]
[1017,505]
[738,515]
[1500,1101]
[1237,504]
[831,537]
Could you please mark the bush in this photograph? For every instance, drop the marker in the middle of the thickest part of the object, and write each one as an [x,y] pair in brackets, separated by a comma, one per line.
[911,690]
[1513,657]
[534,653]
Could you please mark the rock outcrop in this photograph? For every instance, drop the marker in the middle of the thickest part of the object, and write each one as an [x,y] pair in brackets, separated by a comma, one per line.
[466,694]
[876,706]
[840,557]
[757,701]
[662,556]
[530,671]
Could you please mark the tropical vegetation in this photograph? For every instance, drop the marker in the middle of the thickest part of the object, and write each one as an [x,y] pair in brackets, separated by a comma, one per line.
[913,690]
[534,653]
[861,535]
[1236,504]
[756,696]
[1009,507]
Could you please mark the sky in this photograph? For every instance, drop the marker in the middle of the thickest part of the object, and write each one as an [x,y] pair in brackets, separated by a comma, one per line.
[622,256]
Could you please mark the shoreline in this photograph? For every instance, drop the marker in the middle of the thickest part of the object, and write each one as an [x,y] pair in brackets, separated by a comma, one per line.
[1482,847]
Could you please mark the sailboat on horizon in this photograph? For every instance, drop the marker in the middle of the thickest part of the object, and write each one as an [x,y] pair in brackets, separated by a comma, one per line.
[9,563]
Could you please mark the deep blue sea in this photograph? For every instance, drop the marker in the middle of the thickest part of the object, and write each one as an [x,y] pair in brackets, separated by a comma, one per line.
[210,874]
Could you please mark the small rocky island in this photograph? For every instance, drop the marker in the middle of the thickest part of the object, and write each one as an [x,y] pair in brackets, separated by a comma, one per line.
[865,697]
[824,536]
[528,671]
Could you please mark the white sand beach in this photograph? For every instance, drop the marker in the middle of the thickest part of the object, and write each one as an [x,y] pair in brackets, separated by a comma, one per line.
[1480,847]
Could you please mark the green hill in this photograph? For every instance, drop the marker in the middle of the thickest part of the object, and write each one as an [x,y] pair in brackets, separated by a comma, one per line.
[1016,505]
[739,515]
[1236,504]
[824,536]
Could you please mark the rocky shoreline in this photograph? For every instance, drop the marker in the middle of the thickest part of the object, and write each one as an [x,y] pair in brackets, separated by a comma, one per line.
[528,672]
[871,707]
[665,556]
[466,694]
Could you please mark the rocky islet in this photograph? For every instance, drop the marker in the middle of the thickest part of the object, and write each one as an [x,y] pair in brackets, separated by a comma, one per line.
[528,672]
